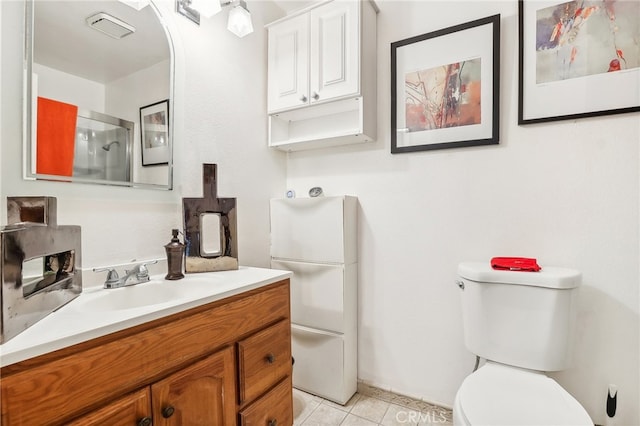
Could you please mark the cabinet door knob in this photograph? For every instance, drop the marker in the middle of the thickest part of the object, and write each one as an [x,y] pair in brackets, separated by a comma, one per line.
[271,358]
[272,422]
[303,98]
[315,96]
[168,411]
[145,421]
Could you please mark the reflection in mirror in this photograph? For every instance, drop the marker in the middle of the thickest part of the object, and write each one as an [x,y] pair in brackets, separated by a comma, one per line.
[42,272]
[102,147]
[92,66]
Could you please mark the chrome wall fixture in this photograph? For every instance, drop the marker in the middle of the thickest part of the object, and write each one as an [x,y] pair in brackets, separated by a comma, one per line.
[239,21]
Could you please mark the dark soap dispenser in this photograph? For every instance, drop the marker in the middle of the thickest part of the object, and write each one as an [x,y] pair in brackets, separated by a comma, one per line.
[175,254]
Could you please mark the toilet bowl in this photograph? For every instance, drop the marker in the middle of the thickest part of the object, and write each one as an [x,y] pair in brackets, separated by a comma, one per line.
[498,394]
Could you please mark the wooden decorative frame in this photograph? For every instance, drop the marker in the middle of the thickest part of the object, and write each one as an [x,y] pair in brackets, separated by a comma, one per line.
[567,54]
[445,88]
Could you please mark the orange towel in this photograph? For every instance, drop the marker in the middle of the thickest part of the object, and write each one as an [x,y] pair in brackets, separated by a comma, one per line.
[56,137]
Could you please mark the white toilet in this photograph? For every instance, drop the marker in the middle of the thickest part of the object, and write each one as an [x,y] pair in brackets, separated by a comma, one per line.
[521,323]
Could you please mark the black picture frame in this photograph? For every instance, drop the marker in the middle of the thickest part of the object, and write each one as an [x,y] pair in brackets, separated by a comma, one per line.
[421,122]
[552,91]
[155,143]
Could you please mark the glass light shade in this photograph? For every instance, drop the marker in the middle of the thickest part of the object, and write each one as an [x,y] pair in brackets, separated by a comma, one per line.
[240,21]
[207,8]
[136,4]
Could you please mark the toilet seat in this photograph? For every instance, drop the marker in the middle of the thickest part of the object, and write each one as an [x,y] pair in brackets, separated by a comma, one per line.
[497,394]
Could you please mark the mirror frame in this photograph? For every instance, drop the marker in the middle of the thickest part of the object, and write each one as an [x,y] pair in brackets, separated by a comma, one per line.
[29,127]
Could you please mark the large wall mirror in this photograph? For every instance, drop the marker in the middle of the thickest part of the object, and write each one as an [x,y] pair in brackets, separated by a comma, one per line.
[98,90]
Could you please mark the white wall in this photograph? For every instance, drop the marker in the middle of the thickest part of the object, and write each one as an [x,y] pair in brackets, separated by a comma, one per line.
[564,192]
[220,118]
[64,87]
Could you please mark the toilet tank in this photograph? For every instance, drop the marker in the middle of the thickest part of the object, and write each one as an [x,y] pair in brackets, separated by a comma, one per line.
[524,319]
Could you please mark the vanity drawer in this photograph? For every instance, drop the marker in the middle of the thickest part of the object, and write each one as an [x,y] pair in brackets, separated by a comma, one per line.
[263,359]
[275,408]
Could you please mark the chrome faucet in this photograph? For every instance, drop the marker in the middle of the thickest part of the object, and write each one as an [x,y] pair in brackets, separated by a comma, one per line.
[137,275]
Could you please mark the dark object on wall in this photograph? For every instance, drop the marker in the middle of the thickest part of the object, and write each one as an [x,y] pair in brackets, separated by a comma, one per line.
[210,228]
[612,402]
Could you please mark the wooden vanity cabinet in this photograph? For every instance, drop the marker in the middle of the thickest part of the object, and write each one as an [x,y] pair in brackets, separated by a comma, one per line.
[221,364]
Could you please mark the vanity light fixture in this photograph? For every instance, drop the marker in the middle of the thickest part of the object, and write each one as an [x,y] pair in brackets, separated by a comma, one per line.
[239,21]
[207,8]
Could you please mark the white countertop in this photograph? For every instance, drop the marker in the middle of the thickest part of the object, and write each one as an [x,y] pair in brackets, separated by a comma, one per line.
[90,315]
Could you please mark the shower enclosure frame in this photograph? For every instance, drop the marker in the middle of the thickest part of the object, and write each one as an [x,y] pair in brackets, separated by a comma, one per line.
[119,122]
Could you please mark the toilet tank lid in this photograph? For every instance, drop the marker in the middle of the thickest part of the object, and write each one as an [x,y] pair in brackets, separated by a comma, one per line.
[549,276]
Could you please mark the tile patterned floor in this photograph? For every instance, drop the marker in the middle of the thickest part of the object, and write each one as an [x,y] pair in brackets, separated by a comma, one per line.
[368,407]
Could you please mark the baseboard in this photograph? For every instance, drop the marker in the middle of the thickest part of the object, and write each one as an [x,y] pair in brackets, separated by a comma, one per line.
[403,400]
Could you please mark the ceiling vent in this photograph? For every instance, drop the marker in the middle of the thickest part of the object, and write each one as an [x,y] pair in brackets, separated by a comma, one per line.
[110,25]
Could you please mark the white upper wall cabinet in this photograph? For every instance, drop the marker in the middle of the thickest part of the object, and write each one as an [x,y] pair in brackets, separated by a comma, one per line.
[318,94]
[313,57]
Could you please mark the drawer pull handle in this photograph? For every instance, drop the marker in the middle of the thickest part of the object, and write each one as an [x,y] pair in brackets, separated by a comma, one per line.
[168,411]
[271,358]
[145,421]
[272,422]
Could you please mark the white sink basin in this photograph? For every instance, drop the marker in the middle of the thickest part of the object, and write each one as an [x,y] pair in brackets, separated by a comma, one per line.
[132,297]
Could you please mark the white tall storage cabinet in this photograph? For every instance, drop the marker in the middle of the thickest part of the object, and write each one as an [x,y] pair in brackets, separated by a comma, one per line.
[316,239]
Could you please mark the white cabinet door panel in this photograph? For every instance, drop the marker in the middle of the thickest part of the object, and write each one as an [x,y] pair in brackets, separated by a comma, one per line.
[309,230]
[335,52]
[319,363]
[288,64]
[317,294]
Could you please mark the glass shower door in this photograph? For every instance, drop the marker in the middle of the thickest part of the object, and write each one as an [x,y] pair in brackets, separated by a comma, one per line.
[103,147]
